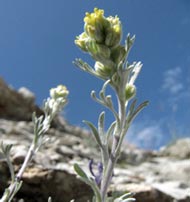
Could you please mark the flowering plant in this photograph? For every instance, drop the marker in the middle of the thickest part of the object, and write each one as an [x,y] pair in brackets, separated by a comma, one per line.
[53,105]
[101,39]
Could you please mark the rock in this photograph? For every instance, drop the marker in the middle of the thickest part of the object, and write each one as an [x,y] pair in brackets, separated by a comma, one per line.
[41,183]
[161,176]
[142,192]
[15,105]
[173,190]
[173,149]
[27,95]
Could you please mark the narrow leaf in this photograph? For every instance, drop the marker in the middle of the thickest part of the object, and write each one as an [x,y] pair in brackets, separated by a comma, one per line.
[101,124]
[109,101]
[102,96]
[102,92]
[137,110]
[127,195]
[132,107]
[80,172]
[85,67]
[110,130]
[129,200]
[93,96]
[89,181]
[96,190]
[94,132]
[135,72]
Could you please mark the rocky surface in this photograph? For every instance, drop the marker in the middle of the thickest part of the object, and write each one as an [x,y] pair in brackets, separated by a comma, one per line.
[162,176]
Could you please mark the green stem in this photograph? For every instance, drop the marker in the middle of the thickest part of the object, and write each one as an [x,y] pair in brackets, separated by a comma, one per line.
[107,175]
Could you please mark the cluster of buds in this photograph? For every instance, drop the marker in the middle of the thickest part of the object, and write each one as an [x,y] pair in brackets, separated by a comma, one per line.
[58,98]
[101,39]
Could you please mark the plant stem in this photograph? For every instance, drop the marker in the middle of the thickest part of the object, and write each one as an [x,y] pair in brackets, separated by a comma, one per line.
[27,159]
[114,152]
[10,191]
[109,171]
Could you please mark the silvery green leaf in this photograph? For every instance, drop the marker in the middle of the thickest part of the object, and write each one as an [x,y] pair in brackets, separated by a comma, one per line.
[96,190]
[93,95]
[90,181]
[135,72]
[102,92]
[101,124]
[6,148]
[129,42]
[137,110]
[86,67]
[132,107]
[94,132]
[80,172]
[129,200]
[128,197]
[10,195]
[102,96]
[110,130]
[109,101]
[124,75]
[105,85]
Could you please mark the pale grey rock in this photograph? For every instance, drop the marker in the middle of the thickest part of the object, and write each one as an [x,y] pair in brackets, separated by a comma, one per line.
[161,176]
[173,149]
[173,190]
[27,94]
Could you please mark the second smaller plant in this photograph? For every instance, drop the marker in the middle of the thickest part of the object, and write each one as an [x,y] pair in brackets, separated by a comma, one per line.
[52,106]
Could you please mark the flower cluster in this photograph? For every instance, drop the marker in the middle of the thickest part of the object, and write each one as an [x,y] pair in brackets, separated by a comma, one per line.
[53,105]
[58,98]
[101,39]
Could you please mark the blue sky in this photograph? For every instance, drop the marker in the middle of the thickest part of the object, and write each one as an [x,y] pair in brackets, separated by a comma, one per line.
[37,49]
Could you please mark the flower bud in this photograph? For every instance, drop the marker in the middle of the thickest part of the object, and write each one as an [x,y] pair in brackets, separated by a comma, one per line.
[130,91]
[81,40]
[98,50]
[113,32]
[102,70]
[94,25]
[59,92]
[118,54]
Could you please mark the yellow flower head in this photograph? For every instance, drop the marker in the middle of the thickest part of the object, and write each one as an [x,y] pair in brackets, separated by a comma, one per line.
[114,32]
[92,18]
[95,25]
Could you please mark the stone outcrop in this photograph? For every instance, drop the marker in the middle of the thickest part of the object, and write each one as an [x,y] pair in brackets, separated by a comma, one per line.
[161,176]
[16,105]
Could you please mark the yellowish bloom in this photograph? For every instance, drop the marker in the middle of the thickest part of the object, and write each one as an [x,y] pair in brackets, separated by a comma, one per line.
[94,25]
[59,92]
[102,70]
[81,40]
[113,32]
